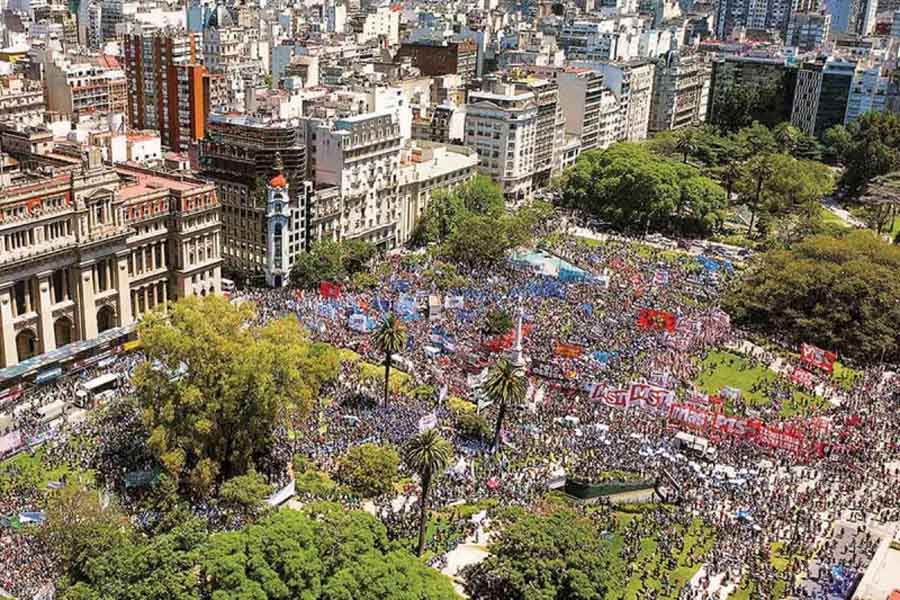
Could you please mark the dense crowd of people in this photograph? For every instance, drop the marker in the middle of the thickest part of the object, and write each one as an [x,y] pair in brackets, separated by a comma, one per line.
[749,497]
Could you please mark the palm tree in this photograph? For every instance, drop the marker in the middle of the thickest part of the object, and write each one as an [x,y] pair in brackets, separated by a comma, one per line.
[686,144]
[505,386]
[731,172]
[390,338]
[428,455]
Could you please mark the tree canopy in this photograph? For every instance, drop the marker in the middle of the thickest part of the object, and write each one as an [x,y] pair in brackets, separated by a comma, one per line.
[868,147]
[213,389]
[322,553]
[472,226]
[632,188]
[331,261]
[839,293]
[555,556]
[369,470]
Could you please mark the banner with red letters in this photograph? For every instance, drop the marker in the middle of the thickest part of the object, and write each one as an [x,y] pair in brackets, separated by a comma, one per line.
[817,357]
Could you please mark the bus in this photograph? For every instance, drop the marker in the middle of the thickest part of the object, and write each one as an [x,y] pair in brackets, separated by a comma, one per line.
[88,393]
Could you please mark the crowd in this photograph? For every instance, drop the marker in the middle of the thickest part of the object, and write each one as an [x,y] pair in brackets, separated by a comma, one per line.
[749,498]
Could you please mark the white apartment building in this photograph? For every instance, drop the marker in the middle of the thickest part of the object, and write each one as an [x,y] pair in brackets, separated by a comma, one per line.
[501,125]
[384,22]
[580,94]
[680,91]
[360,156]
[632,83]
[21,101]
[868,92]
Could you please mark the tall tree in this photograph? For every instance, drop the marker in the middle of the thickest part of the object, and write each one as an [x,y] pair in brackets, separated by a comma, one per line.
[686,143]
[759,169]
[839,293]
[506,387]
[213,389]
[428,455]
[390,338]
[882,196]
[868,147]
[786,137]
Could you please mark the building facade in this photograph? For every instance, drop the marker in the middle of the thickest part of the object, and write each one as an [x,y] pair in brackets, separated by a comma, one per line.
[501,126]
[449,58]
[822,94]
[238,154]
[94,248]
[168,89]
[680,91]
[581,95]
[808,31]
[632,83]
[360,156]
[21,101]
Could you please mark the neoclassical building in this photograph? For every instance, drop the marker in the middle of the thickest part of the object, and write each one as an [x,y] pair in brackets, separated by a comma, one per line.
[94,248]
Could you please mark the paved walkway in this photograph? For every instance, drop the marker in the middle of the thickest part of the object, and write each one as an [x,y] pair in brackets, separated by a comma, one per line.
[832,205]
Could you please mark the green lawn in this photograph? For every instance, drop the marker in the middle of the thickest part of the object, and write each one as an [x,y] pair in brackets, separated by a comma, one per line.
[697,542]
[29,470]
[722,368]
[779,562]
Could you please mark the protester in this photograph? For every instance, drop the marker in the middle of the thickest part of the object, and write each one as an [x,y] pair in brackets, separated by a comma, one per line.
[612,318]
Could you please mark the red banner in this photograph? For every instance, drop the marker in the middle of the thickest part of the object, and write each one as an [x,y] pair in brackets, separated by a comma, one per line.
[505,342]
[329,290]
[567,350]
[817,357]
[657,320]
[697,418]
[802,377]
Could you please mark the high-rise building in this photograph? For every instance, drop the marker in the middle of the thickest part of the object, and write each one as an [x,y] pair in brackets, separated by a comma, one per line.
[550,130]
[808,31]
[449,58]
[580,94]
[632,83]
[680,91]
[360,157]
[81,85]
[870,91]
[238,153]
[21,100]
[501,126]
[168,88]
[751,14]
[821,97]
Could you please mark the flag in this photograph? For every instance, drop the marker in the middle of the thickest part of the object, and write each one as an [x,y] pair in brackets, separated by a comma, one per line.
[328,289]
[657,320]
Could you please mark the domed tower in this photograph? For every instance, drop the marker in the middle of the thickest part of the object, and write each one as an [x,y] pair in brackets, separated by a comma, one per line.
[278,227]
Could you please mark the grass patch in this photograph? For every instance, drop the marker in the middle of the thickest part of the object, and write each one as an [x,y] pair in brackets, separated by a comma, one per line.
[26,470]
[652,566]
[589,242]
[720,369]
[830,218]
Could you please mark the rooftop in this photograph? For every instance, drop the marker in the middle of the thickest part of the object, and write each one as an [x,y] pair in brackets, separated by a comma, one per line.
[146,183]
